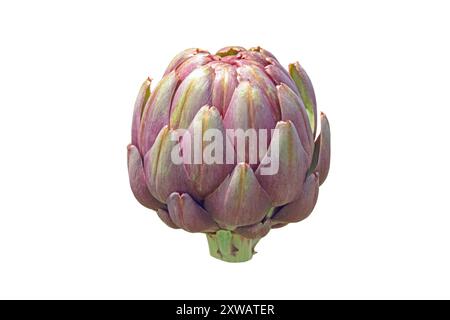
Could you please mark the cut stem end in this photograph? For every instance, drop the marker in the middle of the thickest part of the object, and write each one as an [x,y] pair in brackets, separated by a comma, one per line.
[228,246]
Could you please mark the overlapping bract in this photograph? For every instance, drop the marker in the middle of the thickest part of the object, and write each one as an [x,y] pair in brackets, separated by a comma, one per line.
[233,89]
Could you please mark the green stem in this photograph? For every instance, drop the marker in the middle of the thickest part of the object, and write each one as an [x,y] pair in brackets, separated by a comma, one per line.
[231,247]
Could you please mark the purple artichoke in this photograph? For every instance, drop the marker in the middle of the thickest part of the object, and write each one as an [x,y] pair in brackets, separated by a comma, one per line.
[188,162]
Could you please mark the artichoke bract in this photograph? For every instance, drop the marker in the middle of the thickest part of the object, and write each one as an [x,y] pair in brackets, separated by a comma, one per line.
[228,144]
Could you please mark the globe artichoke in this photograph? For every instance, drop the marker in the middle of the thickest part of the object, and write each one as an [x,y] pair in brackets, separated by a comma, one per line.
[229,199]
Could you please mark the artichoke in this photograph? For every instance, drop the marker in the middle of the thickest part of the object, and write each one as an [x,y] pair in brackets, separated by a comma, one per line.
[231,199]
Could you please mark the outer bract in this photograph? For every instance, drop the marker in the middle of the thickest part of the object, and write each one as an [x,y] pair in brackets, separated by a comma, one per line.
[233,202]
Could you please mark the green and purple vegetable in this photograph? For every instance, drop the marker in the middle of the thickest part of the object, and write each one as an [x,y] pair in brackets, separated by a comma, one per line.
[232,201]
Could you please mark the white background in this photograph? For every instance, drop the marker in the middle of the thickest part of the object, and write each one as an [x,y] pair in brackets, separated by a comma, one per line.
[70,226]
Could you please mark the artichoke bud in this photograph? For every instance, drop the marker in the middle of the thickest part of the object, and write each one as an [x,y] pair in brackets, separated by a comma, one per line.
[225,144]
